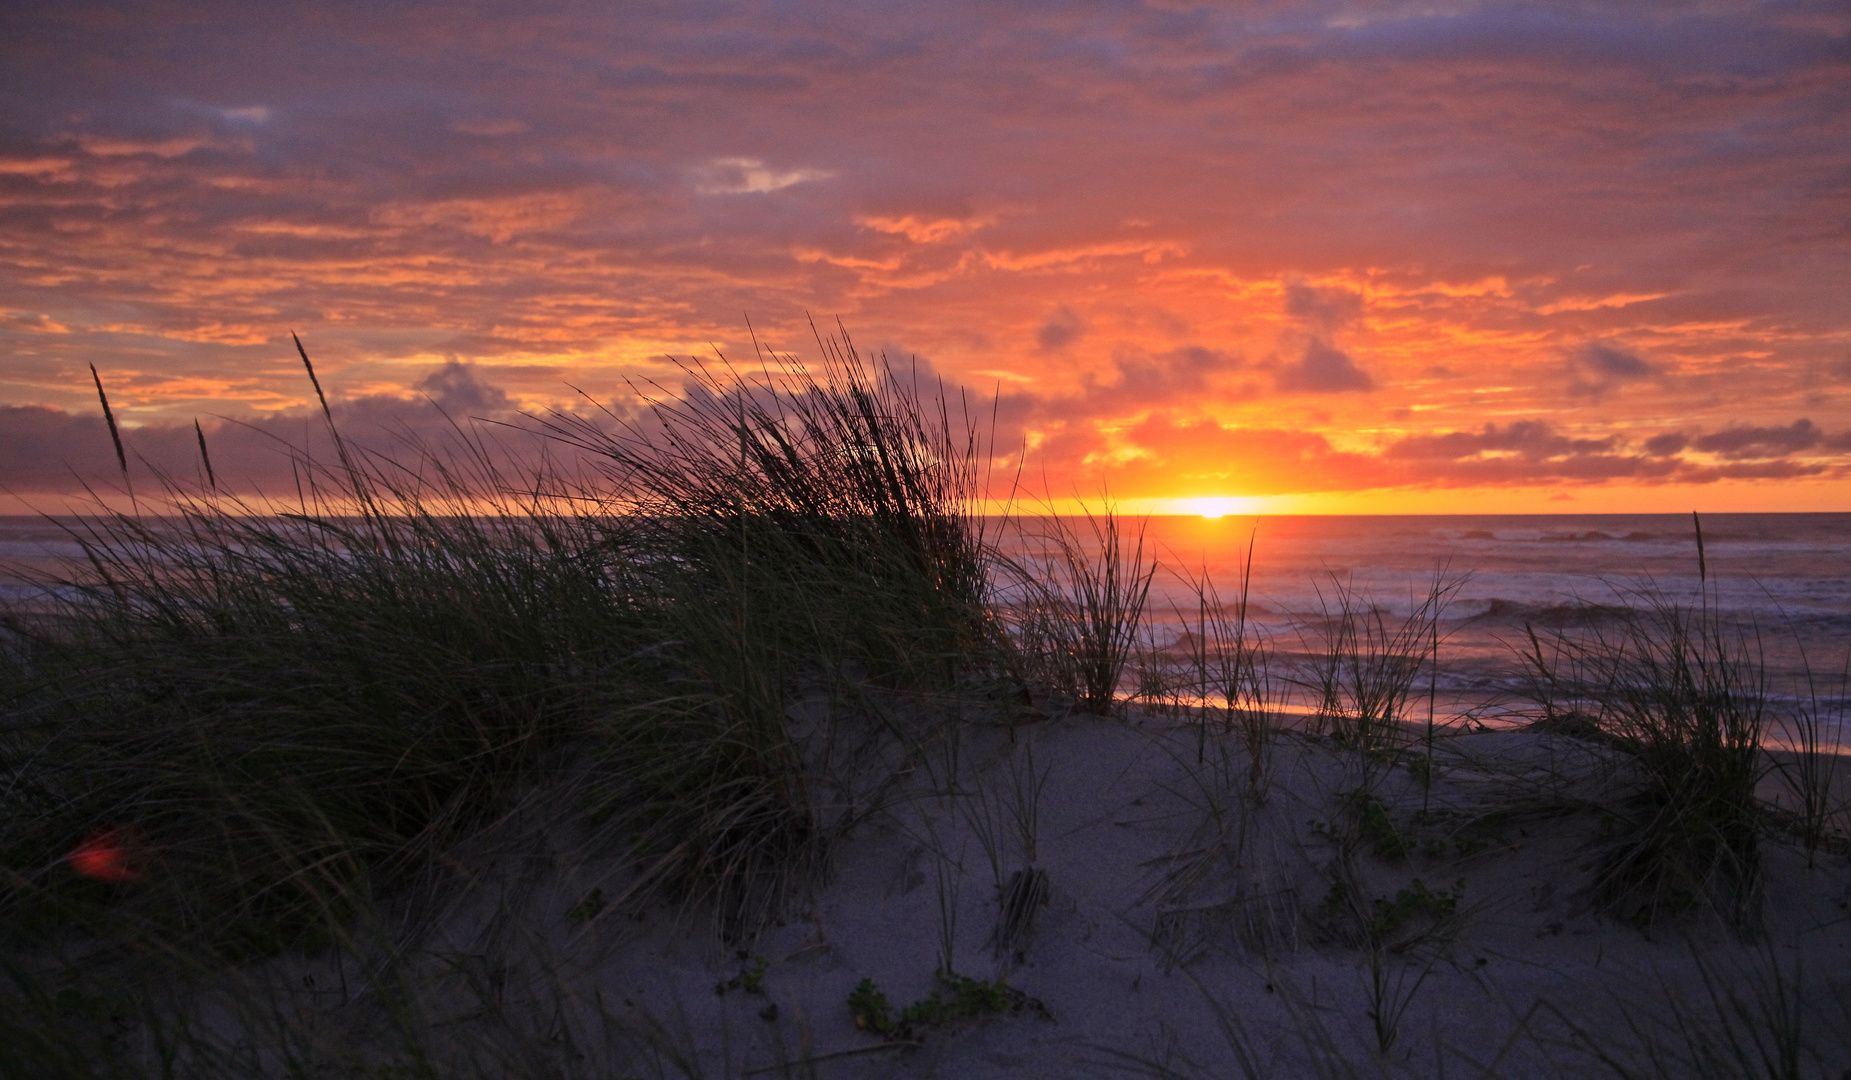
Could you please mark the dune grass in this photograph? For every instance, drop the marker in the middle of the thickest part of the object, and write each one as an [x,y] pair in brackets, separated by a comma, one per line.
[1685,695]
[1364,663]
[280,712]
[1076,606]
[238,734]
[234,728]
[1810,765]
[857,478]
[1231,661]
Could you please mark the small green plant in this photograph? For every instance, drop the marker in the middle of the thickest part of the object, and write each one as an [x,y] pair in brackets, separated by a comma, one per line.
[1336,900]
[752,979]
[1387,916]
[1386,922]
[871,1009]
[956,997]
[1375,828]
[1369,824]
[1467,844]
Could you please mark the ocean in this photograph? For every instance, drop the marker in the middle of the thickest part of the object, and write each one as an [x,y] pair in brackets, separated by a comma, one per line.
[1784,578]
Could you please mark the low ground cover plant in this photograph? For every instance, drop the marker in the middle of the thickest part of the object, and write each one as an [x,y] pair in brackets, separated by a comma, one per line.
[956,997]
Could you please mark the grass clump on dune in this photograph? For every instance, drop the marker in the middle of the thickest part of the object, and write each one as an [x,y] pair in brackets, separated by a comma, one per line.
[1685,696]
[800,535]
[284,711]
[860,483]
[281,716]
[1076,606]
[1364,664]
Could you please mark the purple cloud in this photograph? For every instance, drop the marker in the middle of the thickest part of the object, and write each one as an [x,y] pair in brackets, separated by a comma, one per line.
[1062,329]
[1321,369]
[1668,443]
[1529,438]
[1760,442]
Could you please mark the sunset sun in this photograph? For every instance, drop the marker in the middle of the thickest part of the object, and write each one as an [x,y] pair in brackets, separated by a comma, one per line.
[1215,507]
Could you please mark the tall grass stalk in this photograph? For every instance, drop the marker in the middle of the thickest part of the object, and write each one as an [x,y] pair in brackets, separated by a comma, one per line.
[1364,663]
[1811,729]
[1158,687]
[1080,605]
[1764,1018]
[511,1011]
[1219,880]
[1391,989]
[947,881]
[1233,669]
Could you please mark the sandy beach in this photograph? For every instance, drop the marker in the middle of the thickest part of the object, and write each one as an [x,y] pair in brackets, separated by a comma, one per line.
[1186,930]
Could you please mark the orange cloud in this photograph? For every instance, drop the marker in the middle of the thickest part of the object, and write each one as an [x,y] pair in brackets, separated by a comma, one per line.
[923,231]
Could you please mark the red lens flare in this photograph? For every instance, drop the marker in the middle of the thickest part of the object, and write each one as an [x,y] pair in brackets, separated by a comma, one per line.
[106,855]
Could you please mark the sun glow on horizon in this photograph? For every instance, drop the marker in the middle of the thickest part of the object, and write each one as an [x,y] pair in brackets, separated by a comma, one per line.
[1216,507]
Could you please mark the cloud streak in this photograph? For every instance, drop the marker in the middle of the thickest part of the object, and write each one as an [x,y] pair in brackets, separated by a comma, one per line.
[1078,445]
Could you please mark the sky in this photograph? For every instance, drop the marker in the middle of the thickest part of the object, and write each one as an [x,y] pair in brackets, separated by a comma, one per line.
[1427,257]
